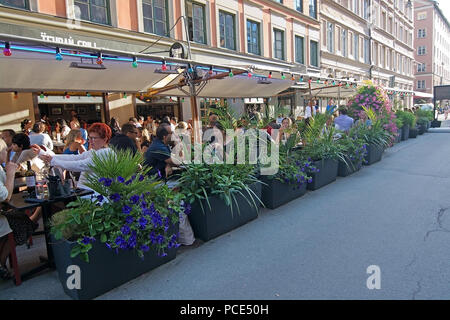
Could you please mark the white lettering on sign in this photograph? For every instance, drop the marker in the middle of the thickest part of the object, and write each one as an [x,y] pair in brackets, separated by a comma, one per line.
[69,41]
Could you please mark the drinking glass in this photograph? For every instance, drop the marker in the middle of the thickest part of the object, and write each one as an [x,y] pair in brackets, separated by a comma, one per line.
[40,192]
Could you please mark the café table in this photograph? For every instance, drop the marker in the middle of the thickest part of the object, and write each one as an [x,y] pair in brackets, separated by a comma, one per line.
[20,201]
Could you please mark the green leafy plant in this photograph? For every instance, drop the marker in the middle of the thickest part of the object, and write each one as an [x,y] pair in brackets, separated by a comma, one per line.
[131,211]
[407,118]
[354,148]
[375,133]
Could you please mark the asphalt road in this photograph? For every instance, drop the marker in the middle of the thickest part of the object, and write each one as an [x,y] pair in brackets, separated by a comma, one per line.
[394,214]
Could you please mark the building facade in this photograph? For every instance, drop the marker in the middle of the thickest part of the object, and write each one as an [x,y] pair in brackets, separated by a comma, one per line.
[432,46]
[369,40]
[270,35]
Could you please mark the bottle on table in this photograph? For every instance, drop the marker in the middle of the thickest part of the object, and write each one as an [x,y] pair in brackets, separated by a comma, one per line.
[30,177]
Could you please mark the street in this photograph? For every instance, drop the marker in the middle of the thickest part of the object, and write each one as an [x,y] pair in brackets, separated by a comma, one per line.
[393,214]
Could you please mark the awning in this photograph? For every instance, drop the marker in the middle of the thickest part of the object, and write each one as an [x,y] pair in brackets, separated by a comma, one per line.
[40,71]
[418,94]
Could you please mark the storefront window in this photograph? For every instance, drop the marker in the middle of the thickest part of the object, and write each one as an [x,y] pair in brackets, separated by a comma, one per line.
[155,16]
[196,21]
[22,4]
[93,10]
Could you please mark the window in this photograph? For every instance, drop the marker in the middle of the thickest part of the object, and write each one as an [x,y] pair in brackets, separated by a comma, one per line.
[390,25]
[278,44]
[314,53]
[93,10]
[421,67]
[253,37]
[195,13]
[383,20]
[421,33]
[155,16]
[227,30]
[356,47]
[22,4]
[344,43]
[366,8]
[421,16]
[299,50]
[313,8]
[421,50]
[330,37]
[366,51]
[299,5]
[421,84]
[356,6]
[375,54]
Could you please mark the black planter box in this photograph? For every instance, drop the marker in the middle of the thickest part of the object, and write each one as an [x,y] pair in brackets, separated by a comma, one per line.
[328,170]
[398,137]
[106,270]
[428,125]
[346,170]
[413,132]
[435,124]
[422,128]
[276,193]
[405,132]
[374,154]
[219,219]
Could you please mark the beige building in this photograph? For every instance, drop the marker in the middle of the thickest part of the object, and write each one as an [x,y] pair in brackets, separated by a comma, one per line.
[369,39]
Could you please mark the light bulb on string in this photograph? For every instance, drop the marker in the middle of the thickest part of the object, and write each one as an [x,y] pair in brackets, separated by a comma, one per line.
[58,55]
[88,94]
[190,69]
[67,95]
[318,80]
[135,63]
[283,76]
[99,58]
[249,74]
[270,75]
[231,73]
[301,78]
[164,66]
[210,70]
[7,51]
[292,78]
[125,95]
[42,95]
[16,95]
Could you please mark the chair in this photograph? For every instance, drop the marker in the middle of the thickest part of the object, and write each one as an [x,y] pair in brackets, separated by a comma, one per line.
[13,259]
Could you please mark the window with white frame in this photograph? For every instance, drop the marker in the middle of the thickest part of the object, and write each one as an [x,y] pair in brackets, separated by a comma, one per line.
[421,50]
[97,11]
[155,16]
[344,43]
[421,84]
[196,20]
[421,33]
[356,46]
[330,37]
[227,30]
[314,53]
[299,5]
[421,67]
[299,49]
[253,38]
[421,16]
[278,44]
[21,4]
[366,51]
[313,8]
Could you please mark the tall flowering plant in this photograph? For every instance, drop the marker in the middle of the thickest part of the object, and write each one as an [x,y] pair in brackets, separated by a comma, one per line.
[130,210]
[374,97]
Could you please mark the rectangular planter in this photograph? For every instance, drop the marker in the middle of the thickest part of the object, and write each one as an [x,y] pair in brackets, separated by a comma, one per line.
[422,128]
[413,132]
[374,154]
[276,193]
[328,170]
[346,170]
[405,132]
[435,124]
[219,219]
[106,270]
[398,138]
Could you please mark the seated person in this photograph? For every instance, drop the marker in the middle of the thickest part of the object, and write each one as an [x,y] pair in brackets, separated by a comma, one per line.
[127,139]
[23,153]
[39,137]
[74,143]
[343,122]
[158,154]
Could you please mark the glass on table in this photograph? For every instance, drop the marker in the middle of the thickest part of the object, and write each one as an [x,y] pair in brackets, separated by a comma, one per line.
[40,190]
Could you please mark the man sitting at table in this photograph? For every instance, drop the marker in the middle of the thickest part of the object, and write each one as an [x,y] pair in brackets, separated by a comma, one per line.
[158,154]
[127,139]
[343,122]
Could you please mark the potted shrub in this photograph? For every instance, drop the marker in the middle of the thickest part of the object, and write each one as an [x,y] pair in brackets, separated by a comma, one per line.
[128,228]
[405,118]
[321,146]
[399,124]
[354,149]
[222,197]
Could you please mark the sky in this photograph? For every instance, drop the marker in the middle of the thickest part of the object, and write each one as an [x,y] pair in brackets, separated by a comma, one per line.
[445,8]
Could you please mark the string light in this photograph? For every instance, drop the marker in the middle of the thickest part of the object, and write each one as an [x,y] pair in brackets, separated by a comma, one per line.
[16,95]
[270,75]
[249,74]
[231,73]
[42,95]
[318,80]
[210,70]
[310,80]
[190,70]
[58,55]
[292,78]
[164,66]
[7,51]
[124,95]
[135,63]
[67,95]
[88,94]
[301,78]
[283,76]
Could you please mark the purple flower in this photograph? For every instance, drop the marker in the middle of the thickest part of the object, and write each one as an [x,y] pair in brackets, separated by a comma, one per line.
[159,174]
[187,208]
[143,222]
[309,180]
[107,182]
[120,179]
[134,199]
[128,182]
[100,198]
[108,245]
[125,230]
[145,248]
[129,219]
[119,240]
[126,209]
[143,204]
[141,177]
[115,197]
[86,240]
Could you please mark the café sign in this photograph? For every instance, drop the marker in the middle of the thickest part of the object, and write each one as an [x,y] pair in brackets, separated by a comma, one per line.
[69,40]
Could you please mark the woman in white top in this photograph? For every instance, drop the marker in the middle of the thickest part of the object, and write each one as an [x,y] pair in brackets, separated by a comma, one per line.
[39,137]
[99,136]
[62,128]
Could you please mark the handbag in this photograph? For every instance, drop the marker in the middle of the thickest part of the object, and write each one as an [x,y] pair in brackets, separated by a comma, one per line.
[57,186]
